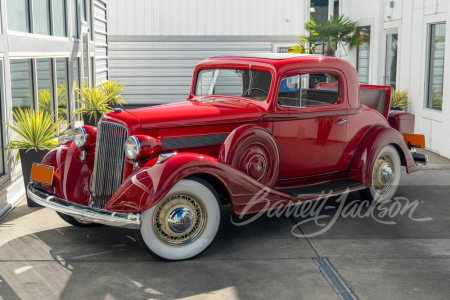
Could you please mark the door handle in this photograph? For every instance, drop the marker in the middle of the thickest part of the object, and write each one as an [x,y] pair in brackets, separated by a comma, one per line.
[342,121]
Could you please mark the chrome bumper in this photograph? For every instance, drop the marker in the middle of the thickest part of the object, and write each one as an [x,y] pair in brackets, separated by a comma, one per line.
[124,220]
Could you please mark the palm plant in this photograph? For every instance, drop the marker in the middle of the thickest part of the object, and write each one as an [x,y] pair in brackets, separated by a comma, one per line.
[94,101]
[114,89]
[337,31]
[34,130]
[399,99]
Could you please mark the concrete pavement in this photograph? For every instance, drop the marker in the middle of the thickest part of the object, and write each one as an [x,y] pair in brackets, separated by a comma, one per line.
[42,257]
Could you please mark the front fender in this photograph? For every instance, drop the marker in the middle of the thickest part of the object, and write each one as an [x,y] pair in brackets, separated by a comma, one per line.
[373,142]
[72,177]
[146,187]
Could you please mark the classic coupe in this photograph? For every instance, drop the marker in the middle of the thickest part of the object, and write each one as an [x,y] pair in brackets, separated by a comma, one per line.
[298,127]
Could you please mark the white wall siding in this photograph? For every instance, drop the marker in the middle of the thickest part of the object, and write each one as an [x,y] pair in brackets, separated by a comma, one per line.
[101,43]
[206,17]
[156,71]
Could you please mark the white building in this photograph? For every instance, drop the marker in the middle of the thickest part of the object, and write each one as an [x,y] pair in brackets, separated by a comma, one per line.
[154,46]
[409,50]
[44,46]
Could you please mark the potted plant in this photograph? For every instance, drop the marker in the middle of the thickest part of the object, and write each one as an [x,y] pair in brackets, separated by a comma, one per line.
[114,89]
[95,102]
[35,133]
[337,31]
[399,99]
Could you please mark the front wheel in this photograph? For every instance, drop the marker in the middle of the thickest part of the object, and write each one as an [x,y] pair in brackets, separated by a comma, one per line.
[184,223]
[385,176]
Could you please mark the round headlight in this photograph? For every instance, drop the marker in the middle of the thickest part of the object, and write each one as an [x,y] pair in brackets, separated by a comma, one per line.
[79,137]
[132,147]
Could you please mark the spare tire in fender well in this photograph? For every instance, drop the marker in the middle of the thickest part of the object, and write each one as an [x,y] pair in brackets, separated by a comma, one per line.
[253,150]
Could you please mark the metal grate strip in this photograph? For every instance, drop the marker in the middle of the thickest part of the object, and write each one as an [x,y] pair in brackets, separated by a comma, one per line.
[334,279]
[108,163]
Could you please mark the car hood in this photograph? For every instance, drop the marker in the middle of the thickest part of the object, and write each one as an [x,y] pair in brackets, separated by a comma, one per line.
[197,113]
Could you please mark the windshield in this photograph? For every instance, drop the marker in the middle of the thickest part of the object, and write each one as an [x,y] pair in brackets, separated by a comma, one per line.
[234,82]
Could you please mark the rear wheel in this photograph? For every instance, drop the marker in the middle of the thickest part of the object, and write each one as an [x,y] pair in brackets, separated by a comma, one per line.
[77,222]
[385,176]
[184,223]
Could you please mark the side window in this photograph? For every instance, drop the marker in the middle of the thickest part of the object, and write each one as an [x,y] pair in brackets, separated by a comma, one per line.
[309,90]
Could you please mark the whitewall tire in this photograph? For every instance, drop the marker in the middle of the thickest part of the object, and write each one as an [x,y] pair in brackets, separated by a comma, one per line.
[385,176]
[184,223]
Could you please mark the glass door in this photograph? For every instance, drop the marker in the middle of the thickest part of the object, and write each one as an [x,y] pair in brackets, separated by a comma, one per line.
[390,74]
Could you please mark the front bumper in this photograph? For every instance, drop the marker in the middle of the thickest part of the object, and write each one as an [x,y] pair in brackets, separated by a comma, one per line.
[124,220]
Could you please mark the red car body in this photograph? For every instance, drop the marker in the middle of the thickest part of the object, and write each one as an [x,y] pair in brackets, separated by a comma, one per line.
[314,146]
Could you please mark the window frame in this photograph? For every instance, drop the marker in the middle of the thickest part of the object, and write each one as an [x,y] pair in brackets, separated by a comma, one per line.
[32,33]
[78,60]
[75,31]
[31,78]
[342,104]
[428,67]
[5,176]
[369,56]
[236,67]
[50,16]
[30,22]
[66,23]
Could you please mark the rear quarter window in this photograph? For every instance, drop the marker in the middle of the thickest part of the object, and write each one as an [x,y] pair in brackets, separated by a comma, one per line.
[309,90]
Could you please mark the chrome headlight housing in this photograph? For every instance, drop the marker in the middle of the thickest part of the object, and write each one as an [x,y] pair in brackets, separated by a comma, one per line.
[79,137]
[132,147]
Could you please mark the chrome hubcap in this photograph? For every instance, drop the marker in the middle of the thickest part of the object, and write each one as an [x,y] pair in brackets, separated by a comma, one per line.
[386,174]
[383,173]
[179,219]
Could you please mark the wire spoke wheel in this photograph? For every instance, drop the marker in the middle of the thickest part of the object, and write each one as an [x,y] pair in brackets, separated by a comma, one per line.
[386,173]
[180,219]
[383,173]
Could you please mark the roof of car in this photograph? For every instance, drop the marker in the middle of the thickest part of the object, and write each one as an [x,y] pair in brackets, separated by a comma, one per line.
[274,56]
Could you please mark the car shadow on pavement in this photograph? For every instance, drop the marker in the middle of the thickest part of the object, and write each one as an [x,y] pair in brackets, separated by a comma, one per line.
[108,263]
[266,258]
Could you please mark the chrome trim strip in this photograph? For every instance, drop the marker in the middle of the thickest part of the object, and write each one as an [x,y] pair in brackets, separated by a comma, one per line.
[164,156]
[96,215]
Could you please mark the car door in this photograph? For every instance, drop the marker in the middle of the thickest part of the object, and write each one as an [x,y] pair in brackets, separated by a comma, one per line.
[310,123]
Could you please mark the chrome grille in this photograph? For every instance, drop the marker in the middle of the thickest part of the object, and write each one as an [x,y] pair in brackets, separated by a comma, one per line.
[109,162]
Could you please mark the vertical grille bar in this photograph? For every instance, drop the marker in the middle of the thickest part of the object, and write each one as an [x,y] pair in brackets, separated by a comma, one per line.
[108,163]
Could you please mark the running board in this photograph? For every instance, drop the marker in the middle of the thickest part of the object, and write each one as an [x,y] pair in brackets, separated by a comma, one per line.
[327,188]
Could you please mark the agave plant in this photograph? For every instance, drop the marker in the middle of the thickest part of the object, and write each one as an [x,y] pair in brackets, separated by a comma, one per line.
[114,89]
[94,101]
[399,99]
[337,31]
[34,130]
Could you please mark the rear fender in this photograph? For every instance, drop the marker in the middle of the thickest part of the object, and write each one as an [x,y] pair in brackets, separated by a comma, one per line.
[374,141]
[146,187]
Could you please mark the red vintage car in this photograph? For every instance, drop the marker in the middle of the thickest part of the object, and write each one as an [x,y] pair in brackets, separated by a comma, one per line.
[295,126]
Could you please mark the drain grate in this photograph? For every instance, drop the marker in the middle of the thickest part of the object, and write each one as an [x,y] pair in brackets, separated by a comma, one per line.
[334,279]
